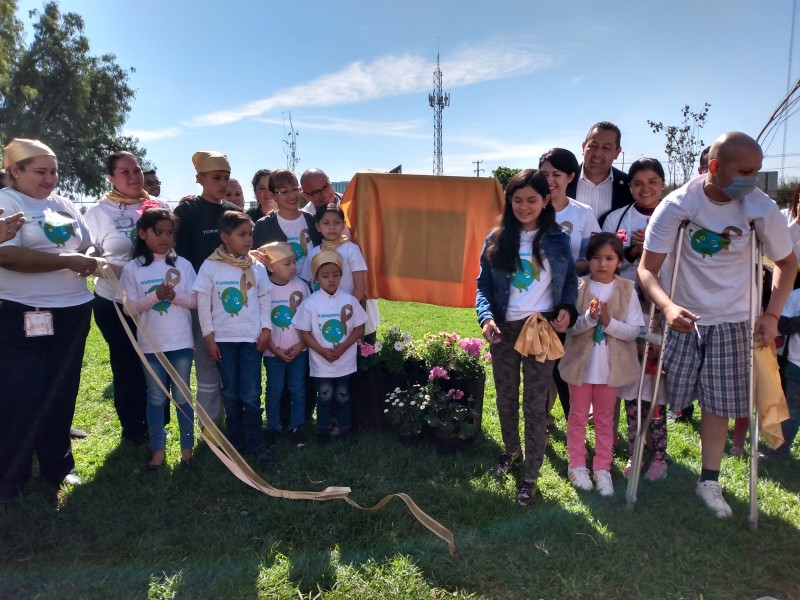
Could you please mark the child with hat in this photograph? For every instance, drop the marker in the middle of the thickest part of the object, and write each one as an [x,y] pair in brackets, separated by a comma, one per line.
[330,322]
[196,239]
[286,357]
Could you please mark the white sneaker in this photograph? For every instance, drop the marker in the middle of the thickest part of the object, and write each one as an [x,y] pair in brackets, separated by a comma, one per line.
[579,477]
[711,494]
[604,484]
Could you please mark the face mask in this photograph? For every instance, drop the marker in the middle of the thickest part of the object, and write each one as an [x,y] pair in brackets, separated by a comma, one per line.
[740,186]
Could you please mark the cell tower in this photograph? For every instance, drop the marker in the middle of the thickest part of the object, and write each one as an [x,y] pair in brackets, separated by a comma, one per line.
[438,102]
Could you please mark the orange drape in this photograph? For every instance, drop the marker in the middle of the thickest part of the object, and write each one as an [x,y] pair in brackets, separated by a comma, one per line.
[421,235]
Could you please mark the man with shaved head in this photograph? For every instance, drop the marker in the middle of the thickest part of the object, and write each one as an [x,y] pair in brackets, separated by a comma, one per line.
[706,355]
[317,190]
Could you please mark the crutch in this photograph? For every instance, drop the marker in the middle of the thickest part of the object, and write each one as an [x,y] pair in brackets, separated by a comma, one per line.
[756,289]
[641,428]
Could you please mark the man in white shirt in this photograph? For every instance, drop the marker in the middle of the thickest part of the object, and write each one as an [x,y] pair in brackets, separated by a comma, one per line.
[317,190]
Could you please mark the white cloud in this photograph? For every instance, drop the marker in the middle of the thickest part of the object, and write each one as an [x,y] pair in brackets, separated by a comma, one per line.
[156,134]
[389,76]
[405,129]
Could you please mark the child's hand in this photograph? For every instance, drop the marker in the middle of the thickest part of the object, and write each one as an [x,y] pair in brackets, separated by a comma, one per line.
[594,308]
[282,354]
[212,349]
[605,316]
[263,340]
[338,350]
[166,291]
[330,355]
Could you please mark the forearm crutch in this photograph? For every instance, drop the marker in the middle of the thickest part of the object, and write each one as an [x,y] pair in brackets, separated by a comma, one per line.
[756,289]
[641,428]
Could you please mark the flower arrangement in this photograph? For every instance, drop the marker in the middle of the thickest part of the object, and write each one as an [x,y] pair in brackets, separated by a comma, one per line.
[447,411]
[461,357]
[406,409]
[388,354]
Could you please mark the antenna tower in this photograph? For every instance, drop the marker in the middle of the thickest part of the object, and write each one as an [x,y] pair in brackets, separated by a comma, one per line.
[290,144]
[438,102]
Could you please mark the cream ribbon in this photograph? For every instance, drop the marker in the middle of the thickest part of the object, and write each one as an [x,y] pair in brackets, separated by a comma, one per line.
[225,451]
[538,339]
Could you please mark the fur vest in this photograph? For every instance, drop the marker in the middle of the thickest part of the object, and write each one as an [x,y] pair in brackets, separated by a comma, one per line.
[622,357]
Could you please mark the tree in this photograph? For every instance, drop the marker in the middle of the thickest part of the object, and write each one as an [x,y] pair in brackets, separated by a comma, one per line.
[504,175]
[683,143]
[784,195]
[74,102]
[10,40]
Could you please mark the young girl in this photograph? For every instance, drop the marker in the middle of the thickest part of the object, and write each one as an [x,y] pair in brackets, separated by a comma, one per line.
[330,321]
[527,271]
[286,357]
[330,224]
[158,284]
[233,308]
[599,357]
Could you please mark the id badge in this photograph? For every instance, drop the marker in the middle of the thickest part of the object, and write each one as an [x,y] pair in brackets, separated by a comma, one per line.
[123,223]
[38,323]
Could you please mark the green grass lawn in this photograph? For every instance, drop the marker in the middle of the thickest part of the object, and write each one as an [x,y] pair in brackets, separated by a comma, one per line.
[200,533]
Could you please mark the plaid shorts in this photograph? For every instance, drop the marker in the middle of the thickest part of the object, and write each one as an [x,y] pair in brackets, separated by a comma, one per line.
[714,368]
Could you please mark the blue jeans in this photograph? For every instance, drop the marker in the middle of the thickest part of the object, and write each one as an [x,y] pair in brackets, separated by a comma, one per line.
[181,360]
[330,389]
[240,370]
[282,375]
[791,425]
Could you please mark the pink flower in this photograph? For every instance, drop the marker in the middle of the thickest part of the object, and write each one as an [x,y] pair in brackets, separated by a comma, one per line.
[366,349]
[488,357]
[438,373]
[472,346]
[449,338]
[457,394]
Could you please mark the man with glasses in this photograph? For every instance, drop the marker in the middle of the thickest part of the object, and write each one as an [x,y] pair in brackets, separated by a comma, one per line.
[151,183]
[317,190]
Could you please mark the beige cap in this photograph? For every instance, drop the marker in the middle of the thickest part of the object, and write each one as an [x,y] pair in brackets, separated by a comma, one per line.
[325,257]
[20,149]
[208,160]
[276,251]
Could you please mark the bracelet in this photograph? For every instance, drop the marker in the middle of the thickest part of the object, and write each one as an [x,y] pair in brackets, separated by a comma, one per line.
[769,314]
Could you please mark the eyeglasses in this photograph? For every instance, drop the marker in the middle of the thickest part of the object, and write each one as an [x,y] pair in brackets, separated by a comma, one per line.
[317,192]
[294,190]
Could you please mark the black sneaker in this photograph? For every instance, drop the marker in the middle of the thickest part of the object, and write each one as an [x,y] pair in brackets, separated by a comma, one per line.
[324,437]
[505,464]
[526,492]
[271,437]
[298,438]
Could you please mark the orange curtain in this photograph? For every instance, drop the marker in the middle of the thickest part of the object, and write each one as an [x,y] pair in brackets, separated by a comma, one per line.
[421,235]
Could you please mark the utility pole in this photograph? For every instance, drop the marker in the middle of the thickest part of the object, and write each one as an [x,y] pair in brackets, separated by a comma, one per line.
[438,102]
[478,170]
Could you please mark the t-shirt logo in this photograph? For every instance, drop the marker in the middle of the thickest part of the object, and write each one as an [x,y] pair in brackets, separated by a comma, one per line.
[282,315]
[160,307]
[708,243]
[58,227]
[525,275]
[567,227]
[334,330]
[301,246]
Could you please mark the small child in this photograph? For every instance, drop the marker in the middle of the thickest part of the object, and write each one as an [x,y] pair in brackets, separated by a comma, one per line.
[158,284]
[233,304]
[599,357]
[288,223]
[330,224]
[330,321]
[286,357]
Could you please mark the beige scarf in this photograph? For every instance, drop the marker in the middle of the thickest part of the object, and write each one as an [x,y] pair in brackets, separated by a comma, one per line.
[539,339]
[245,263]
[333,246]
[115,196]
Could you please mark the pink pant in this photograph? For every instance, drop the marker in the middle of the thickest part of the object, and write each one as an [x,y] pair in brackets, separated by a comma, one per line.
[603,400]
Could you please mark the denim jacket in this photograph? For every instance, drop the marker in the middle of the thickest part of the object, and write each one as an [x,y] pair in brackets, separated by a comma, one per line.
[494,285]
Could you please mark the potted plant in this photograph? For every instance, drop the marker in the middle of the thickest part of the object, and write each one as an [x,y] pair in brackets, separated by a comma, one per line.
[406,410]
[448,414]
[464,359]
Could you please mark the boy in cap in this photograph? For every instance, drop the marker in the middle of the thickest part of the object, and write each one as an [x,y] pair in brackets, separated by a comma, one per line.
[196,238]
[330,322]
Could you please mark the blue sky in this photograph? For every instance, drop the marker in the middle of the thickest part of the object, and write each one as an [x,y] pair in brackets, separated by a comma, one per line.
[523,76]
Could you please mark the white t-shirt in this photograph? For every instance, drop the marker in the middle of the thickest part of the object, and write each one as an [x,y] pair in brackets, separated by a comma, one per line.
[330,319]
[113,229]
[531,286]
[220,302]
[578,221]
[296,232]
[352,261]
[169,324]
[792,309]
[52,225]
[627,219]
[597,367]
[284,302]
[794,231]
[716,269]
